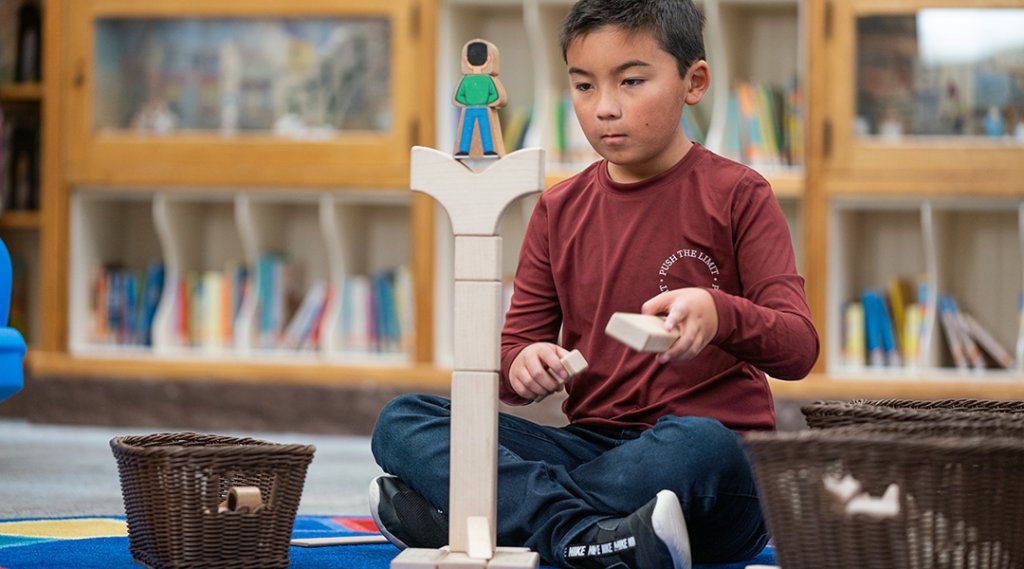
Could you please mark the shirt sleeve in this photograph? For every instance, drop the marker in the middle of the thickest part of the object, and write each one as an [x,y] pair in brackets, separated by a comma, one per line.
[770,324]
[535,314]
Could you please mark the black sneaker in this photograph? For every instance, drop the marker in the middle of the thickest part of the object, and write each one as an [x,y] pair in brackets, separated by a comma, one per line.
[404,517]
[653,537]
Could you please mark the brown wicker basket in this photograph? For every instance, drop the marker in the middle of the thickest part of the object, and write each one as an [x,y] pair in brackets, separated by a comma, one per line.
[829,414]
[960,495]
[175,488]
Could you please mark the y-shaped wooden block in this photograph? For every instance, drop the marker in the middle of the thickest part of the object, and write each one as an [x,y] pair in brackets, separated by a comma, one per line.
[475,203]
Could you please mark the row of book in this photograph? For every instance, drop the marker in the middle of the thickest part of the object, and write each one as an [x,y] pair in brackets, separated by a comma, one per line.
[21,41]
[891,329]
[376,311]
[125,303]
[764,125]
[19,161]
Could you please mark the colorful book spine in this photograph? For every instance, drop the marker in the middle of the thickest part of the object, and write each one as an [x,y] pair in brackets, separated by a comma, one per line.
[854,352]
[951,328]
[988,342]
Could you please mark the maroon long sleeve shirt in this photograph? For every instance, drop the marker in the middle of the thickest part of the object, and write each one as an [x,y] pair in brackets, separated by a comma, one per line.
[594,247]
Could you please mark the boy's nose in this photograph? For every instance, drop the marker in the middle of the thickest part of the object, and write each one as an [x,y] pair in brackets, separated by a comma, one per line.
[608,107]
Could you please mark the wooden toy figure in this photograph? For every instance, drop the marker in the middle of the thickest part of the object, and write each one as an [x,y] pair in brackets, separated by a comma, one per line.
[479,95]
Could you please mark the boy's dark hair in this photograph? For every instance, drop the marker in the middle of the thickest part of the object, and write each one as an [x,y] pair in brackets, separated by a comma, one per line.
[677,24]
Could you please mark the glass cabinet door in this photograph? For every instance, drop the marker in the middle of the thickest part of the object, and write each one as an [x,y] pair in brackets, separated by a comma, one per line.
[219,91]
[926,90]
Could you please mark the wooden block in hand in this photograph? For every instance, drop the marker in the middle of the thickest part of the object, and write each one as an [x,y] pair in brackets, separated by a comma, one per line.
[642,332]
[574,363]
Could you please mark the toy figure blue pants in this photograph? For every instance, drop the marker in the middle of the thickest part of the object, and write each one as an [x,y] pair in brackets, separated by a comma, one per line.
[554,482]
[476,115]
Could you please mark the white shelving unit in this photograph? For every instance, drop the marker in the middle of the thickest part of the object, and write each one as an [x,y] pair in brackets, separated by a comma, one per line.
[325,237]
[969,249]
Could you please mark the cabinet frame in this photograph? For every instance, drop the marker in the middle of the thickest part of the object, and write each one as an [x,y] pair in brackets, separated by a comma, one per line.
[357,158]
[909,167]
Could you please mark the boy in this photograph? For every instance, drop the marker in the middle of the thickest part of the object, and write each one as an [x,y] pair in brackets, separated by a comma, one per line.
[650,472]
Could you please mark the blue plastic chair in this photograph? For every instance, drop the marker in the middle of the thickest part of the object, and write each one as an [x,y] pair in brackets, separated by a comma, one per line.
[12,345]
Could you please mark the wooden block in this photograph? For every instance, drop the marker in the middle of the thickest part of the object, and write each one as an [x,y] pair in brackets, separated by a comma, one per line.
[456,560]
[642,332]
[574,363]
[481,544]
[477,326]
[477,258]
[514,559]
[474,201]
[473,489]
[418,558]
[341,540]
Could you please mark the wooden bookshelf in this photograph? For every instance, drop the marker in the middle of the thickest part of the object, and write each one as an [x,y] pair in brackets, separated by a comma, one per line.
[20,93]
[20,220]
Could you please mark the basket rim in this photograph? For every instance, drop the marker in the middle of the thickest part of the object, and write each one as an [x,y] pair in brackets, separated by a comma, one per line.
[210,445]
[962,445]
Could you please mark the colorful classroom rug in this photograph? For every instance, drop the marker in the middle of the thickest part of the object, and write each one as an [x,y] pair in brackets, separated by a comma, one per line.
[102,543]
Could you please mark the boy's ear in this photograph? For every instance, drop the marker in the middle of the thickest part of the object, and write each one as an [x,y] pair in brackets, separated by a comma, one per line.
[700,80]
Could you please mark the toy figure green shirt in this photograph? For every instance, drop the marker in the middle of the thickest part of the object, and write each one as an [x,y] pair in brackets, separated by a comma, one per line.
[476,91]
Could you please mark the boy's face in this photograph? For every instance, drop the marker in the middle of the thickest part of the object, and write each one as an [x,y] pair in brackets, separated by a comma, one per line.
[629,99]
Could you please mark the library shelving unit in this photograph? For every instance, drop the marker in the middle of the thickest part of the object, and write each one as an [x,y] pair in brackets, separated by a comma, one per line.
[749,42]
[227,166]
[915,148]
[24,102]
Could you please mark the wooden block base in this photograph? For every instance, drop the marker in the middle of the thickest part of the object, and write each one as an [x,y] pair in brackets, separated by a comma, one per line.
[504,558]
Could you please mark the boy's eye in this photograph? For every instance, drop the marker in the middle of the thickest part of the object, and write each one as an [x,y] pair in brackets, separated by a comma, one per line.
[632,82]
[583,86]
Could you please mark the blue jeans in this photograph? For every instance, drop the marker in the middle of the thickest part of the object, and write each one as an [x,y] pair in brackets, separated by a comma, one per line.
[476,115]
[554,482]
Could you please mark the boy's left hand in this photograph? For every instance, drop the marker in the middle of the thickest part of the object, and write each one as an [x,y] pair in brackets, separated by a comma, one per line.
[692,312]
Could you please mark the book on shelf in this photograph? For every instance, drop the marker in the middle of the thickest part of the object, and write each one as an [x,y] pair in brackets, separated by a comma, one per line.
[987,342]
[19,162]
[968,340]
[124,304]
[871,334]
[881,340]
[515,123]
[298,333]
[28,62]
[763,125]
[574,149]
[854,352]
[377,312]
[1019,348]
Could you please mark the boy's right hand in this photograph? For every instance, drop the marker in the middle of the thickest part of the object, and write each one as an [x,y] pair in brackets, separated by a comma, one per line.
[529,375]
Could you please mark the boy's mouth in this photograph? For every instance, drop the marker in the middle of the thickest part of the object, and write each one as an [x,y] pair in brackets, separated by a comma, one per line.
[613,137]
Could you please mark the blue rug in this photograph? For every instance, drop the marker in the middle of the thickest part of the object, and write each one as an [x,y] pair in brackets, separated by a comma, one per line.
[102,543]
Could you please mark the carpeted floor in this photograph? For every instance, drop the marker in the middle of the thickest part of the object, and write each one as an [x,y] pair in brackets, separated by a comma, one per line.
[102,543]
[60,502]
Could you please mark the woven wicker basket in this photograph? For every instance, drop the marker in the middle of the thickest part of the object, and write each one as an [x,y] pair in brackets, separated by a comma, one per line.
[175,488]
[959,494]
[829,414]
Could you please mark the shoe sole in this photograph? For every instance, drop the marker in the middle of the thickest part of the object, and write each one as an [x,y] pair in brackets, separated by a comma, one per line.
[670,526]
[374,513]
